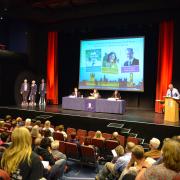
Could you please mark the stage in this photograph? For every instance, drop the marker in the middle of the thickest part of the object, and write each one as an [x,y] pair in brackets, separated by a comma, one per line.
[144,122]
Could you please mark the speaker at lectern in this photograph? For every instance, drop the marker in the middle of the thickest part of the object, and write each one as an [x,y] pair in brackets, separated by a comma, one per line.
[171,109]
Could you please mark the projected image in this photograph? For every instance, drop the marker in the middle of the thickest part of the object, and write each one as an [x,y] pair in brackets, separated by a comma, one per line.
[112,64]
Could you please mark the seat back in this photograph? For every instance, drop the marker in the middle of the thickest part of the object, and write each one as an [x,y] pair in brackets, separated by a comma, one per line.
[133,139]
[58,136]
[91,133]
[70,130]
[98,143]
[81,132]
[110,144]
[107,135]
[122,140]
[72,150]
[88,140]
[88,154]
[62,147]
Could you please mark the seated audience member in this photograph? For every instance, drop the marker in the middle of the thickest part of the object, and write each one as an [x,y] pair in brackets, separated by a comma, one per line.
[60,129]
[35,132]
[95,94]
[5,140]
[38,123]
[168,169]
[136,162]
[8,118]
[116,95]
[109,167]
[76,93]
[18,160]
[115,137]
[48,134]
[98,135]
[73,138]
[47,125]
[56,167]
[28,124]
[154,152]
[19,121]
[1,123]
[55,151]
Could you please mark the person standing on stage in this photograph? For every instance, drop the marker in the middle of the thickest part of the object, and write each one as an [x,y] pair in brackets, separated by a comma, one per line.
[116,95]
[172,92]
[24,91]
[32,96]
[76,93]
[42,92]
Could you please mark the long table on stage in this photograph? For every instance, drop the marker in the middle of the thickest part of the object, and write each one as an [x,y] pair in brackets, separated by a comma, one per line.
[94,105]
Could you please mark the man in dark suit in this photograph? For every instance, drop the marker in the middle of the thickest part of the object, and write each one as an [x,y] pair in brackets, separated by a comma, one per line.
[25,91]
[131,60]
[42,92]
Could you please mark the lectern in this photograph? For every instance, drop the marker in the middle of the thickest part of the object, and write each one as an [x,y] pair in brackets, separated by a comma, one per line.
[171,110]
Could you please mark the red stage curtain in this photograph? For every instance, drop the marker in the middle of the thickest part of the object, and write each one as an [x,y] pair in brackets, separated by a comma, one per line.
[165,61]
[52,68]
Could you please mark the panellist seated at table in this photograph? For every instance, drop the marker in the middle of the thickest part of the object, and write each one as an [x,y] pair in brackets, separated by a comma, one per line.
[76,93]
[95,94]
[116,95]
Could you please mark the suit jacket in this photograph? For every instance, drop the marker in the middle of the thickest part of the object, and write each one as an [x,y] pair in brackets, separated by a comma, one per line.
[117,96]
[78,94]
[23,86]
[42,91]
[134,62]
[33,90]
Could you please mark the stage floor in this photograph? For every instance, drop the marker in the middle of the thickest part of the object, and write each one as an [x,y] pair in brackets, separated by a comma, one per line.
[138,115]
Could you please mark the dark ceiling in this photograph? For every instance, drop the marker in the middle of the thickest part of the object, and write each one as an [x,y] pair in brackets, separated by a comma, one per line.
[57,10]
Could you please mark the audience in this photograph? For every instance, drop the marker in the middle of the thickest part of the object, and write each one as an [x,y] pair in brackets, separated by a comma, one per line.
[170,166]
[18,160]
[115,137]
[98,135]
[48,134]
[28,124]
[109,167]
[154,152]
[60,129]
[5,140]
[47,125]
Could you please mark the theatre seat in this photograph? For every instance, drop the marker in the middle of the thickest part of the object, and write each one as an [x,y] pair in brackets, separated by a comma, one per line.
[122,140]
[91,133]
[133,139]
[58,136]
[70,130]
[62,147]
[72,151]
[107,135]
[81,132]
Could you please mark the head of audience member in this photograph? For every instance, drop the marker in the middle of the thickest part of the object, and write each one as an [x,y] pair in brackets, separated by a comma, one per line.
[19,151]
[171,155]
[33,82]
[95,91]
[129,147]
[35,131]
[176,138]
[37,142]
[116,92]
[1,123]
[27,122]
[73,135]
[8,118]
[60,128]
[138,153]
[115,135]
[170,86]
[119,150]
[98,135]
[38,123]
[47,124]
[154,143]
[45,143]
[47,133]
[19,121]
[4,137]
[130,53]
[55,145]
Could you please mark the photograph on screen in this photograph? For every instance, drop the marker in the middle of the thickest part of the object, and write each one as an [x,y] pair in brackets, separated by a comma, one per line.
[110,64]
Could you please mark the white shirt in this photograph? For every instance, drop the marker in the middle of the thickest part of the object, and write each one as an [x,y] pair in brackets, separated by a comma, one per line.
[25,86]
[175,93]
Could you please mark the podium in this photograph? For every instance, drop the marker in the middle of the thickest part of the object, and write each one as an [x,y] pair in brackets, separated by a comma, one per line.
[171,110]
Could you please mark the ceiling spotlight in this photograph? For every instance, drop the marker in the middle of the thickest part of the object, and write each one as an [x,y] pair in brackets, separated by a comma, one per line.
[1,18]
